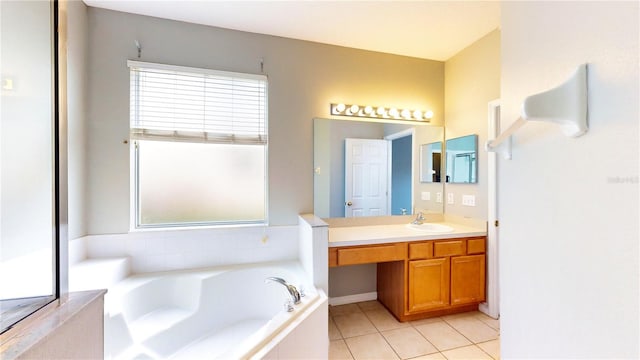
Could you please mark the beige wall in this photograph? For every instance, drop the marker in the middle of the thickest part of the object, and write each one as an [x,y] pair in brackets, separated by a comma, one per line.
[472,79]
[569,206]
[304,78]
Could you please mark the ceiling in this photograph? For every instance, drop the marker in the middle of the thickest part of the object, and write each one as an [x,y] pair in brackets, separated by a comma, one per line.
[434,30]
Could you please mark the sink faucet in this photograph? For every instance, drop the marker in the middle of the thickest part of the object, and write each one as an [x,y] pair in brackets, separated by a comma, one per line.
[295,294]
[419,219]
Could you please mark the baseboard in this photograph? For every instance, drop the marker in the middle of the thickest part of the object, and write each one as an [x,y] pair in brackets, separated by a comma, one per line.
[349,299]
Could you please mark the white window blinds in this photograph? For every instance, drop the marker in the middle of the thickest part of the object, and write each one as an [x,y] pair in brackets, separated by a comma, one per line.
[190,104]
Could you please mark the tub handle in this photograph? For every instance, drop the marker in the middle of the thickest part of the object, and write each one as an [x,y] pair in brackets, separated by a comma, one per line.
[288,305]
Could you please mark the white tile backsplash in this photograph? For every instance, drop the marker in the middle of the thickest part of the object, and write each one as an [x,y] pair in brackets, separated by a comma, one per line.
[185,249]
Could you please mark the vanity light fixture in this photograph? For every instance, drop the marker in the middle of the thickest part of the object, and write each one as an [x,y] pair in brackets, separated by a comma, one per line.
[381,112]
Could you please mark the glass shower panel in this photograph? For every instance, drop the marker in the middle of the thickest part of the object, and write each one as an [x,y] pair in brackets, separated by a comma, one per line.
[27,217]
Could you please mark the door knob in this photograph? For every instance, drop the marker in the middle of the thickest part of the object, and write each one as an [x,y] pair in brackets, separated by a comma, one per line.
[349,203]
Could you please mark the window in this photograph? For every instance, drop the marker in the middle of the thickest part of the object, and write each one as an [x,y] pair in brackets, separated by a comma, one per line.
[199,146]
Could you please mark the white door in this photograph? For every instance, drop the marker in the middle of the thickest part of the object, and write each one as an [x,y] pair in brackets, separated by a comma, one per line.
[365,177]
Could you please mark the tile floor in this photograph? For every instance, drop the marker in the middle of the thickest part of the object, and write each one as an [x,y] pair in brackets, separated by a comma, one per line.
[367,330]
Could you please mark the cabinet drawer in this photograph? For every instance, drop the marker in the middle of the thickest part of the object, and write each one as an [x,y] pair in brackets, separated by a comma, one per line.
[372,254]
[333,257]
[421,250]
[476,246]
[449,248]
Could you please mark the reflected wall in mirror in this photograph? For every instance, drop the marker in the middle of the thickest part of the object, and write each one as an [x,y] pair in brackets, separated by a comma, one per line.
[405,192]
[461,162]
[431,162]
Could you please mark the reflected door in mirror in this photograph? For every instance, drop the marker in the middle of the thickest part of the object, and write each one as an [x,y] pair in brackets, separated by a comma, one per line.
[366,163]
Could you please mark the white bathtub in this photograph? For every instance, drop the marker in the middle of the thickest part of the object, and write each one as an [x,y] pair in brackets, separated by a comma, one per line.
[226,313]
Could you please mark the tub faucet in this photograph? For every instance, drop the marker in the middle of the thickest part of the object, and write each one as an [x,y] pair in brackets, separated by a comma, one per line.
[295,295]
[419,219]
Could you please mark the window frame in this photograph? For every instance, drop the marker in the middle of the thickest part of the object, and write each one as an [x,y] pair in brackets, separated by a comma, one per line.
[134,160]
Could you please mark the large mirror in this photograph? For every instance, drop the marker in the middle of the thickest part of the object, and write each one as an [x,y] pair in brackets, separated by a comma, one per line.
[462,163]
[374,162]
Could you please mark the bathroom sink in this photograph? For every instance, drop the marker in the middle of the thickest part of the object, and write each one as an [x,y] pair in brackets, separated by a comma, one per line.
[431,228]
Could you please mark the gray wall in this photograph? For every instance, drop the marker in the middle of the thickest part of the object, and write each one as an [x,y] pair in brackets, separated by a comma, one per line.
[569,206]
[304,78]
[77,88]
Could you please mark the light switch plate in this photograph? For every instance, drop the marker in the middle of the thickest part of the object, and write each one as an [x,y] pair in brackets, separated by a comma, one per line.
[469,200]
[426,195]
[439,197]
[449,198]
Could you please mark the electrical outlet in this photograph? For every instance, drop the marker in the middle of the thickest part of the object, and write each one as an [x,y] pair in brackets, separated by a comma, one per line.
[469,200]
[426,195]
[439,197]
[449,198]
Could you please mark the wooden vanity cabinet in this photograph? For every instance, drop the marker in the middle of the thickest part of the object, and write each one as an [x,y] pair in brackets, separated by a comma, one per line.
[421,279]
[467,279]
[367,254]
[429,284]
[442,277]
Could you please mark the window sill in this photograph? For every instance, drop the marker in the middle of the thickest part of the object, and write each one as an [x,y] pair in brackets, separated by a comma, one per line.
[203,227]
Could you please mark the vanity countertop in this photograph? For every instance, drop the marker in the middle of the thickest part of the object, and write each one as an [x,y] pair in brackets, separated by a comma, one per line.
[379,234]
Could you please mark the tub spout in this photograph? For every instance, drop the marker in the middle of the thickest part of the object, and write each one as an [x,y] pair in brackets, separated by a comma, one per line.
[295,295]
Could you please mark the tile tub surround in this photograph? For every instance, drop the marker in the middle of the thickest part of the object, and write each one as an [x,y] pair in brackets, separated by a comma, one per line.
[366,330]
[163,250]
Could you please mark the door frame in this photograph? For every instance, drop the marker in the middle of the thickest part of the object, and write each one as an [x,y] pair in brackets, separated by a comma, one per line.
[492,306]
[400,134]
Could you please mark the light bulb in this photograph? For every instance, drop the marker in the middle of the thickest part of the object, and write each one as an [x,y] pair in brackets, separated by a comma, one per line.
[354,109]
[428,114]
[381,111]
[393,112]
[368,110]
[406,113]
[340,108]
[417,115]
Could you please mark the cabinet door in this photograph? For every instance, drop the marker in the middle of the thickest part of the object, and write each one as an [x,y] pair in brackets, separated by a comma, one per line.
[428,284]
[467,279]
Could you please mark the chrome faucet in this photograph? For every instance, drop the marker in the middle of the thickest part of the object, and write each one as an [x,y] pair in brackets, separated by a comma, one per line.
[419,219]
[295,294]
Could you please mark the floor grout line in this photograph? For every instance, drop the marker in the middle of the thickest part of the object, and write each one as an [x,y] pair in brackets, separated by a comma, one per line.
[441,352]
